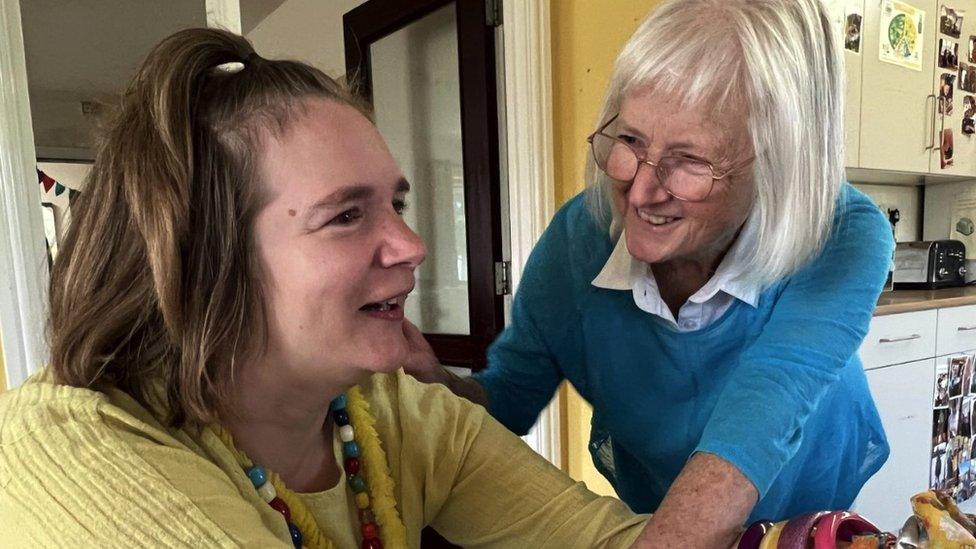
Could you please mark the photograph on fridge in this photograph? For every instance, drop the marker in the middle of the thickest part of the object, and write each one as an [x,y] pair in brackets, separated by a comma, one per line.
[852,29]
[948,54]
[939,470]
[946,86]
[950,21]
[967,77]
[945,156]
[955,405]
[969,128]
[941,386]
[956,365]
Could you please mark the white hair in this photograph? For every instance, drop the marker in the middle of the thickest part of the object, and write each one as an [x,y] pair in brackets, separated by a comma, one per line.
[780,59]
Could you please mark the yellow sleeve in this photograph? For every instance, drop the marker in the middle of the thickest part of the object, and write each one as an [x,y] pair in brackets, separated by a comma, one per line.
[89,481]
[486,488]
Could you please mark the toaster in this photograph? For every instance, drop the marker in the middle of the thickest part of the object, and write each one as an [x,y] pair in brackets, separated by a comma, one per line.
[930,265]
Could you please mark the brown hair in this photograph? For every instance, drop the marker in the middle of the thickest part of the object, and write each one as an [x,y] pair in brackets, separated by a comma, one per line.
[156,285]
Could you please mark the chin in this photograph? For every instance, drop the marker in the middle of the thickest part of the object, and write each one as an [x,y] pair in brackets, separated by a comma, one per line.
[386,357]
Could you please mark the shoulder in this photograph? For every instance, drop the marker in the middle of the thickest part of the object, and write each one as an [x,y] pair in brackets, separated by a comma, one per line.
[410,404]
[573,249]
[857,214]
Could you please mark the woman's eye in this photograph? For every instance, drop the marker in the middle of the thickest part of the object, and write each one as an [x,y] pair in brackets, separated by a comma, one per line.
[399,206]
[347,217]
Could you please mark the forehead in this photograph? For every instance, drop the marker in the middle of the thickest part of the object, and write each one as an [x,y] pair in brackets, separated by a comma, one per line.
[711,125]
[324,145]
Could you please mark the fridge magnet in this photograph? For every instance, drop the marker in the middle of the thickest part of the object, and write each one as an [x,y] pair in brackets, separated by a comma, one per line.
[948,54]
[852,29]
[950,21]
[945,154]
[968,128]
[901,34]
[941,386]
[946,86]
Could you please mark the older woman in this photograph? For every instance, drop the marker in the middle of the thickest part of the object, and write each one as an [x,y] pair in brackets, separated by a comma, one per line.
[709,291]
[226,328]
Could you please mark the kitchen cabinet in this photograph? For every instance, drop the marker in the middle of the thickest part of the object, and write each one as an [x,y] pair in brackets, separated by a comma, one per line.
[897,116]
[900,354]
[892,119]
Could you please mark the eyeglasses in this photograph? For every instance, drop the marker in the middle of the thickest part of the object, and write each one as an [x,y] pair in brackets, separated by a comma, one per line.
[685,178]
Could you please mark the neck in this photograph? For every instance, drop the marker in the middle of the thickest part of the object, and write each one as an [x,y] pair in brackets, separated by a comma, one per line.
[281,421]
[679,279]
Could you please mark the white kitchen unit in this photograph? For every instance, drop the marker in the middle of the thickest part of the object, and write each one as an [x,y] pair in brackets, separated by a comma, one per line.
[900,354]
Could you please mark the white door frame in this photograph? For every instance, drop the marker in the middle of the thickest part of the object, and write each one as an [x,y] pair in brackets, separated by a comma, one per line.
[23,251]
[528,121]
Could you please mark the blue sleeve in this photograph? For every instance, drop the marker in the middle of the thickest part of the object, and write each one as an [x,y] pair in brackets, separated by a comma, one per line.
[522,374]
[816,326]
[530,358]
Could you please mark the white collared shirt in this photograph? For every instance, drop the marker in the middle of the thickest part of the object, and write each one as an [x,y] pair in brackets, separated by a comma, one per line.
[623,272]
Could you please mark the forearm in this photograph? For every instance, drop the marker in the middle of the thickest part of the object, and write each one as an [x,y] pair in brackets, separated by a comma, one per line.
[705,507]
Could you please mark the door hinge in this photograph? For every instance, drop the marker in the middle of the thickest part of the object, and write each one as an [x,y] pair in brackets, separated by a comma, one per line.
[493,13]
[503,277]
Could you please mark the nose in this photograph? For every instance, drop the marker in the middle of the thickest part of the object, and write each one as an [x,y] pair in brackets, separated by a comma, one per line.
[401,246]
[647,188]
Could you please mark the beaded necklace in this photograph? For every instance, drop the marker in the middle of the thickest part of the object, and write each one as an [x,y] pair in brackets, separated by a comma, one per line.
[367,474]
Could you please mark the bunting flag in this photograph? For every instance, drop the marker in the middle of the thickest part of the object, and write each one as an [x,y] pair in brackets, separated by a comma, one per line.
[46,180]
[72,194]
[59,189]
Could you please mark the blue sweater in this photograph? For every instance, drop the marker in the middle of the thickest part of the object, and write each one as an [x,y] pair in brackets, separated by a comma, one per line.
[777,390]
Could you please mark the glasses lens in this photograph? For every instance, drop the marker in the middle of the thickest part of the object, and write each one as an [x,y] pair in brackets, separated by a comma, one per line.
[685,178]
[614,157]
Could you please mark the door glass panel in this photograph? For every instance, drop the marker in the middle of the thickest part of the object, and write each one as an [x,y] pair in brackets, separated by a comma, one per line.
[416,97]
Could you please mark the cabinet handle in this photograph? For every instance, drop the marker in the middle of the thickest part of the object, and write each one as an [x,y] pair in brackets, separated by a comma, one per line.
[897,339]
[935,109]
[966,328]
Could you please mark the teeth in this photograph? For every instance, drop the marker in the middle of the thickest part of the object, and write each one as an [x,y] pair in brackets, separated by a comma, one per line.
[655,219]
[384,307]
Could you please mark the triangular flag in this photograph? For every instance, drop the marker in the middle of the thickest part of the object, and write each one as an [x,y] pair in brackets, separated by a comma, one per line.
[72,194]
[45,179]
[59,189]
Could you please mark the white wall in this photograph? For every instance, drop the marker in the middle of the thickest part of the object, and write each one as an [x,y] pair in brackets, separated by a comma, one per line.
[306,30]
[905,200]
[938,209]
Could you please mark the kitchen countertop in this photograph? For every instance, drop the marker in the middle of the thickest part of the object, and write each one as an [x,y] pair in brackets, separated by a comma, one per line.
[906,301]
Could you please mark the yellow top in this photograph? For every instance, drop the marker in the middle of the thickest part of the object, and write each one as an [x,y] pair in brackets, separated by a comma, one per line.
[87,468]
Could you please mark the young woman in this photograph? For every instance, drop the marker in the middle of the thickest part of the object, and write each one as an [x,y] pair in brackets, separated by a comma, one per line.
[226,331]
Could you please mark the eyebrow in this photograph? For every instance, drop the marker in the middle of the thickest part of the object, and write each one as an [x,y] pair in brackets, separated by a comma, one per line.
[349,194]
[625,127]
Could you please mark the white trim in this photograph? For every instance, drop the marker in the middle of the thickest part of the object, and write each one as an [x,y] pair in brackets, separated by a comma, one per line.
[528,107]
[23,253]
[224,14]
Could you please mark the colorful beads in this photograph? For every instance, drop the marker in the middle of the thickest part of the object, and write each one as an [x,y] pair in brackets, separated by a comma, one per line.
[279,505]
[351,466]
[296,535]
[341,417]
[362,501]
[267,492]
[338,403]
[258,475]
[357,483]
[350,449]
[370,531]
[346,433]
[366,515]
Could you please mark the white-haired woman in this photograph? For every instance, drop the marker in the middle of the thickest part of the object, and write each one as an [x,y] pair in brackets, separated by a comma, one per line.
[709,291]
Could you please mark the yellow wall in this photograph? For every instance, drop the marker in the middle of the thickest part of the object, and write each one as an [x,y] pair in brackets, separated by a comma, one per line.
[586,37]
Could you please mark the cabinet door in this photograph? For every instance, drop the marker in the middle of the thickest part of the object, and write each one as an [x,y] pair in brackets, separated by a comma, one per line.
[904,396]
[840,10]
[897,103]
[963,145]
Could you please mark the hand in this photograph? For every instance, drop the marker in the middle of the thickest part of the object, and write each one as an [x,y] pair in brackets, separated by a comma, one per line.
[421,362]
